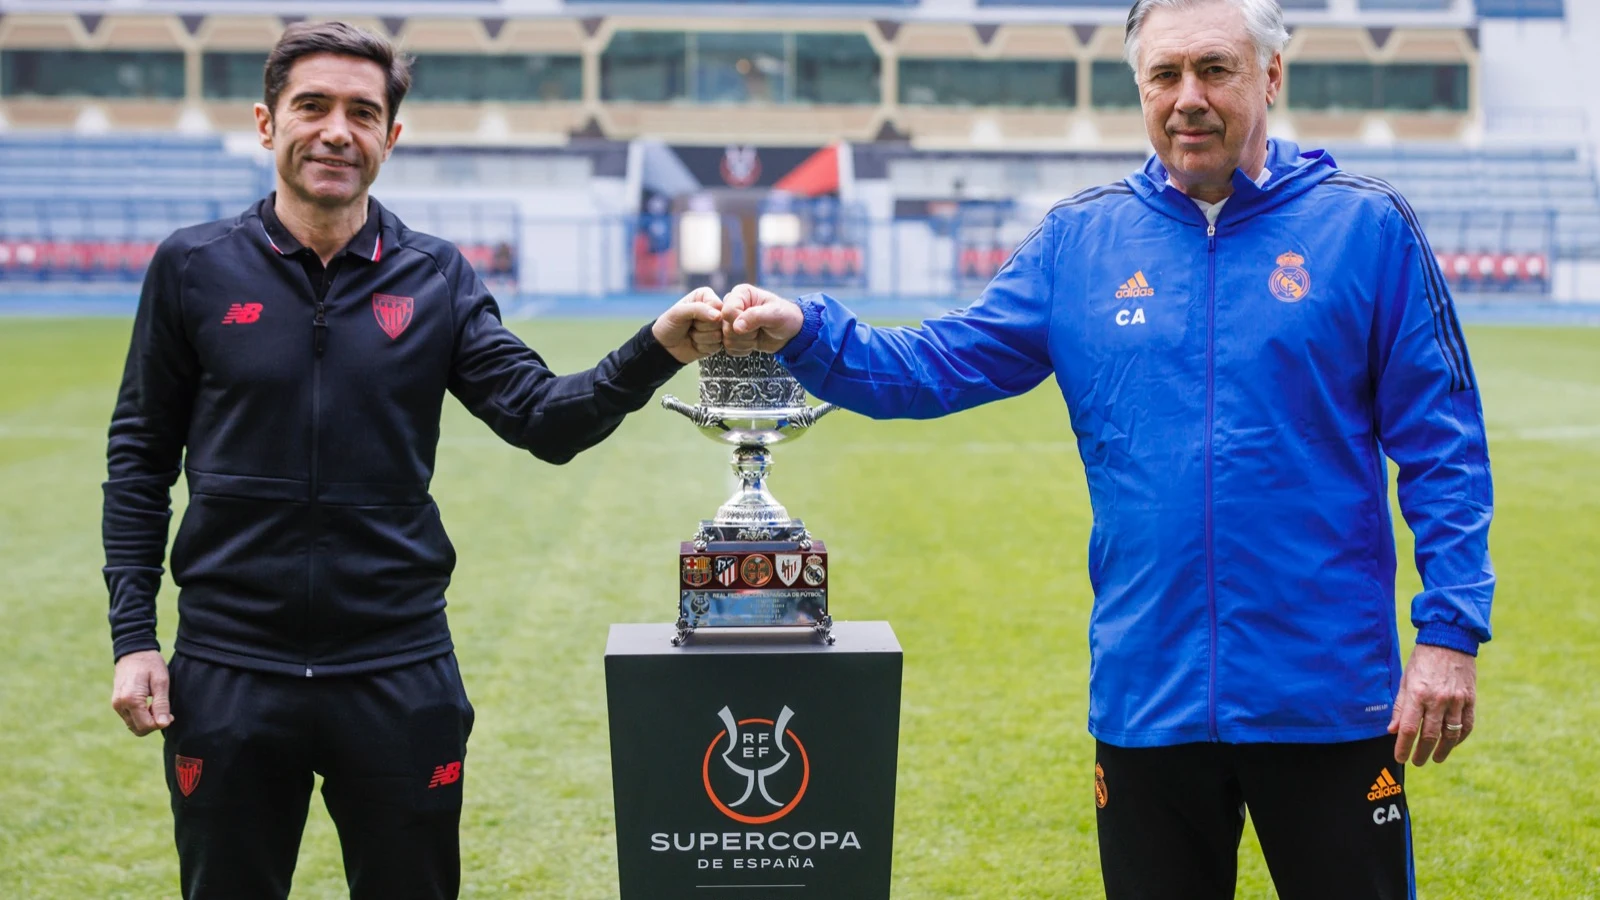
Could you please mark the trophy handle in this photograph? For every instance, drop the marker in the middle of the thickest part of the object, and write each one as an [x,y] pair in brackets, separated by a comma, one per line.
[812,414]
[676,405]
[698,415]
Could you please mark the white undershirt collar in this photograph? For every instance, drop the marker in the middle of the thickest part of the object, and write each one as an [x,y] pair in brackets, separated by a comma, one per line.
[1213,210]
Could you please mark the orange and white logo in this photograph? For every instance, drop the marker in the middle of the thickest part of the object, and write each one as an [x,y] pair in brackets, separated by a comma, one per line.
[1385,786]
[1101,795]
[1135,287]
[758,768]
[1290,282]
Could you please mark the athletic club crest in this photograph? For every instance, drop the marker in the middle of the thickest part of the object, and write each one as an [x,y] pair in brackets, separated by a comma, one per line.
[393,313]
[788,567]
[187,768]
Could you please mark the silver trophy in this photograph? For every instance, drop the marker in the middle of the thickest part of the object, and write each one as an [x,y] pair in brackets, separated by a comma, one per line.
[752,564]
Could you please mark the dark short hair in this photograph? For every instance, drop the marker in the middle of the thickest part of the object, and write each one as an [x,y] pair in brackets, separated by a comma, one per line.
[305,38]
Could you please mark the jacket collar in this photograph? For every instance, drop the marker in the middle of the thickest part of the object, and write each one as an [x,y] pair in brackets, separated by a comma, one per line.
[1293,173]
[368,243]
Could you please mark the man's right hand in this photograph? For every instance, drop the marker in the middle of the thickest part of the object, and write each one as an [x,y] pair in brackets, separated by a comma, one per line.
[139,692]
[754,319]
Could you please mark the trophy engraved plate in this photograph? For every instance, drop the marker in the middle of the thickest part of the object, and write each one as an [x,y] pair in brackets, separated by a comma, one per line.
[751,565]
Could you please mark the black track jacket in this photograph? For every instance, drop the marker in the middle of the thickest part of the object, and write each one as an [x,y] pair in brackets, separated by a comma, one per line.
[304,406]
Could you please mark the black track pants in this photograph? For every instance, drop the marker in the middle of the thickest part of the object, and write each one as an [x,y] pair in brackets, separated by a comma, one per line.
[1332,819]
[390,745]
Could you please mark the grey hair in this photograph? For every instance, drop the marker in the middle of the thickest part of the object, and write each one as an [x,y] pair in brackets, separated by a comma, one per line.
[1262,18]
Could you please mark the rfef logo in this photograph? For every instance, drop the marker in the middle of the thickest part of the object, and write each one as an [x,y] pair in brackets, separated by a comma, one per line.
[758,768]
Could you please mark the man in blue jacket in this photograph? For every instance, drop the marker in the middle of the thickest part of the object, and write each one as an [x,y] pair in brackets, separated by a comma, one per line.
[294,360]
[1241,332]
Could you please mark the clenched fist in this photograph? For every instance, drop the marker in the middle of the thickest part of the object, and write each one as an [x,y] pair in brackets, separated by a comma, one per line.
[692,327]
[754,319]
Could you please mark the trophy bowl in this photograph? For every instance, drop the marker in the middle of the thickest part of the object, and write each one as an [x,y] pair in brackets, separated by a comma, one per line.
[749,401]
[752,403]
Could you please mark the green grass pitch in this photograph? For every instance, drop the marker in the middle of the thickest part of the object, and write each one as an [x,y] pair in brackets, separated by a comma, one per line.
[967,534]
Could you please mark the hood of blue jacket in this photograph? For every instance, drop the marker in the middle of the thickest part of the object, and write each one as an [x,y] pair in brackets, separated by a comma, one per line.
[1293,173]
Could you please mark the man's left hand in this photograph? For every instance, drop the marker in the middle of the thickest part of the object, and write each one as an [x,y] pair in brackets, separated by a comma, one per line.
[692,327]
[1435,709]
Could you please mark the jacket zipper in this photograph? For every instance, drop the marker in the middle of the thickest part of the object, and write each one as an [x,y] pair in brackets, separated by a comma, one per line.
[319,343]
[1211,409]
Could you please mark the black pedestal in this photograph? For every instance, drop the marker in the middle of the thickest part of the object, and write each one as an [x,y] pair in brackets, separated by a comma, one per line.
[754,766]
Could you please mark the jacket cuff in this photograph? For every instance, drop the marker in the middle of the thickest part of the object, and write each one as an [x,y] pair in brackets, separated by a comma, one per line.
[133,644]
[646,364]
[1451,637]
[809,329]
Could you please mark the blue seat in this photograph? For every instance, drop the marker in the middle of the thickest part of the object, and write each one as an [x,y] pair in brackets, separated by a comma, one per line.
[1521,9]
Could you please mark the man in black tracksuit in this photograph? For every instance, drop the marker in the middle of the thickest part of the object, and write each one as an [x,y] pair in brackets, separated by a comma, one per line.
[295,359]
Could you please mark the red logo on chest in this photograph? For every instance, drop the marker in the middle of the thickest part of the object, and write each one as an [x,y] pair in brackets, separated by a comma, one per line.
[393,313]
[242,314]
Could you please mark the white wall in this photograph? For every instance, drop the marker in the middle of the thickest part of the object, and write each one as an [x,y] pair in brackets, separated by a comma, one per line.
[1541,66]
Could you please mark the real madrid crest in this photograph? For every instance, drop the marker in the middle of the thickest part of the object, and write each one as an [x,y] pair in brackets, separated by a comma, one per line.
[814,573]
[1290,282]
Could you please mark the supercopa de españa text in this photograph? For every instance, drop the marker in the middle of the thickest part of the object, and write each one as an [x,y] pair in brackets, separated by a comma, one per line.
[736,841]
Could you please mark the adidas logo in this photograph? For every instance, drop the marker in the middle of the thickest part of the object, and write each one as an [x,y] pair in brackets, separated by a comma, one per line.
[1385,786]
[1135,287]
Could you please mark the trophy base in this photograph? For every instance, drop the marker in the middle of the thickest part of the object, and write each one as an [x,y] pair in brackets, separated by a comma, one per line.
[753,584]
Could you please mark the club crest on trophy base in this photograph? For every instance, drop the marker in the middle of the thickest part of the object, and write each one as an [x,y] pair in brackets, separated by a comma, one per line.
[752,565]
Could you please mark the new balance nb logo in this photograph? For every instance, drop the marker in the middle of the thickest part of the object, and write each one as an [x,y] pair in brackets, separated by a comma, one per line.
[242,314]
[443,775]
[1385,786]
[1135,287]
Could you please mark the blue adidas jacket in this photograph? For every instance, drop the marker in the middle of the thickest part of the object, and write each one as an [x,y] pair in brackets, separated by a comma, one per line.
[1233,391]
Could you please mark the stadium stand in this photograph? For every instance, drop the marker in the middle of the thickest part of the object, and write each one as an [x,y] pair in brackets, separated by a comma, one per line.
[110,200]
[530,131]
[1497,217]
